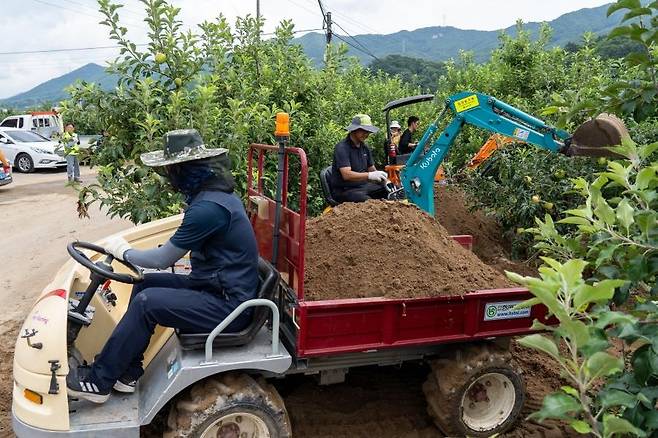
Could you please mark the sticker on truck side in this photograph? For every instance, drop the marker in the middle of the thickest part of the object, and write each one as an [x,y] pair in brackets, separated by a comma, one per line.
[504,310]
[466,103]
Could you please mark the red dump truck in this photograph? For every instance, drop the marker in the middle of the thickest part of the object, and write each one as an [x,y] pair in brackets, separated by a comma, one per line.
[218,384]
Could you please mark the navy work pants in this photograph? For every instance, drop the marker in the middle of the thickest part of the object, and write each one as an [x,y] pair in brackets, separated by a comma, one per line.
[167,299]
[361,193]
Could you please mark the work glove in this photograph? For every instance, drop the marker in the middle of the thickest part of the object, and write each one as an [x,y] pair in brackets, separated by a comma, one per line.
[117,246]
[377,176]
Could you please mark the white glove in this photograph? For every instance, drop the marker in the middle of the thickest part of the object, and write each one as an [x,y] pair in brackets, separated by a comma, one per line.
[377,176]
[117,246]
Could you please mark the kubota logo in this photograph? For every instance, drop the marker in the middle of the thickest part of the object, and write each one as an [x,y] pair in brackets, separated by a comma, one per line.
[428,160]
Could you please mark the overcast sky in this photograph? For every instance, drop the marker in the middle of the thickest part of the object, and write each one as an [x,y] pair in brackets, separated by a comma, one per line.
[63,24]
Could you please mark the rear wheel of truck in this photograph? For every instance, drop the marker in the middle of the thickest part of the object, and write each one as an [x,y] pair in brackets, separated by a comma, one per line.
[229,406]
[476,392]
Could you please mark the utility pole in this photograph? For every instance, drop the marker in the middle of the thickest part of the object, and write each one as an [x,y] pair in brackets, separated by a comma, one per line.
[329,34]
[257,9]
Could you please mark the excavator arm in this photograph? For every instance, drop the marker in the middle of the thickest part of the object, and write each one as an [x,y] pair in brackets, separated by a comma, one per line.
[484,112]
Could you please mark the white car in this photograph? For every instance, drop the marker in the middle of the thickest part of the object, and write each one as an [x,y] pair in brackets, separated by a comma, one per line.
[28,150]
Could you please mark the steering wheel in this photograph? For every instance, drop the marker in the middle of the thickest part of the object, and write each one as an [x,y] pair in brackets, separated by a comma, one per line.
[103,268]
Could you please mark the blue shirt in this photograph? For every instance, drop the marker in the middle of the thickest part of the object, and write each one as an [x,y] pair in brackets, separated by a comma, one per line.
[202,220]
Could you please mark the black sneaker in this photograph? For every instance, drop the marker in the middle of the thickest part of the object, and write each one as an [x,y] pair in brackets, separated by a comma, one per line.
[79,385]
[125,384]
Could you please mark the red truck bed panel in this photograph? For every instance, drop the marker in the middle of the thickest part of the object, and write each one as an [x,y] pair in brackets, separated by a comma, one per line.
[342,326]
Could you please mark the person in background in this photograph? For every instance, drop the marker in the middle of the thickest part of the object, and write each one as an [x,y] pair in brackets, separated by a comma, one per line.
[406,146]
[354,177]
[391,149]
[71,145]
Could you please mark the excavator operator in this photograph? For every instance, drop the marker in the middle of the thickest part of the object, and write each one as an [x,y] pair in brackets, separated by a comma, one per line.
[354,177]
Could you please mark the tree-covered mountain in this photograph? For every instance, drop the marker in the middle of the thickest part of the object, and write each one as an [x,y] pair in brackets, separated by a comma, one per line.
[441,43]
[433,44]
[52,91]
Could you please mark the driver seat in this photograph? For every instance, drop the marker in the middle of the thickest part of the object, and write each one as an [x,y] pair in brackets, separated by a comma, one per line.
[325,178]
[268,285]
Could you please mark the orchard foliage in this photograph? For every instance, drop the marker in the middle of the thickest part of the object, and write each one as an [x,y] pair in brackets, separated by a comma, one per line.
[228,83]
[601,259]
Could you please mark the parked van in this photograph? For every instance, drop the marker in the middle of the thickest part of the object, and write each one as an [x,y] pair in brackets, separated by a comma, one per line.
[45,123]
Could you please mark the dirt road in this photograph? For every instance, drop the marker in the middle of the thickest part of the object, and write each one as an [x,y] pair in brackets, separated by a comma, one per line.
[38,219]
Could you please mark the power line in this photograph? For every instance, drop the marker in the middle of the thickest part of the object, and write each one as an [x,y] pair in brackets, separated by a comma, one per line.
[364,49]
[354,47]
[122,9]
[348,18]
[75,49]
[81,12]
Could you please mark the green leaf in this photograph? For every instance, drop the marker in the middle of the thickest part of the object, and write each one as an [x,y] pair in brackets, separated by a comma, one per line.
[541,343]
[557,405]
[605,212]
[580,426]
[642,364]
[574,220]
[576,331]
[623,4]
[613,425]
[614,318]
[625,213]
[603,364]
[636,12]
[570,390]
[644,178]
[651,420]
[647,222]
[616,397]
[602,291]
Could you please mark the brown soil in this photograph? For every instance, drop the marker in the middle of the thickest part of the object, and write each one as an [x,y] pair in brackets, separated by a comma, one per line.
[388,249]
[8,333]
[489,244]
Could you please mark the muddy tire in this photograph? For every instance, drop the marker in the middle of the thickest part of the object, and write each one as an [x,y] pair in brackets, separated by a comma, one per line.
[477,392]
[229,405]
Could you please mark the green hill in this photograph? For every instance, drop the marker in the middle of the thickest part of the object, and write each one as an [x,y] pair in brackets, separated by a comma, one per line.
[441,43]
[438,43]
[52,91]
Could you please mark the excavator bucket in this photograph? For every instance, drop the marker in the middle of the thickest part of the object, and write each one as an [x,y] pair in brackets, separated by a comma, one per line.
[591,138]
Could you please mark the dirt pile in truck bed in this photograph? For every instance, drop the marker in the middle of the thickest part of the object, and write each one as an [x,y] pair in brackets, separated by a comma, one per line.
[489,243]
[388,249]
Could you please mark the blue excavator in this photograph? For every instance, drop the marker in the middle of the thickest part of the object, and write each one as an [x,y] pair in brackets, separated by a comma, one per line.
[491,114]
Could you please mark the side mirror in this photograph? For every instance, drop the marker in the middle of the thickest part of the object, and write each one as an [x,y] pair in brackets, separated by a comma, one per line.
[5,140]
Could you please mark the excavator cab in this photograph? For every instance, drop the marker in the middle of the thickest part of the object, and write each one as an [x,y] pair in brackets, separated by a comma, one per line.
[394,162]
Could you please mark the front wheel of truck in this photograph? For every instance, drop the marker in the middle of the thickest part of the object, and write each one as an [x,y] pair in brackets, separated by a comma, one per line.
[229,405]
[477,392]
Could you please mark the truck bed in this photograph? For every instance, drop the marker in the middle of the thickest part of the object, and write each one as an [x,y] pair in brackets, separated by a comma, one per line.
[333,327]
